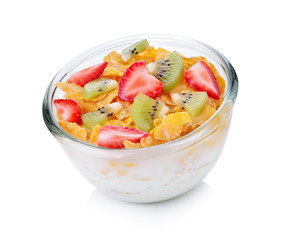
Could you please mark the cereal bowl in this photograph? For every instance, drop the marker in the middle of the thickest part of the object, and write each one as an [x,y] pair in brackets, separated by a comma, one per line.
[154,173]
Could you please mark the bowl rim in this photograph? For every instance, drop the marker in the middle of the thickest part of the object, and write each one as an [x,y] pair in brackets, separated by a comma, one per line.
[190,138]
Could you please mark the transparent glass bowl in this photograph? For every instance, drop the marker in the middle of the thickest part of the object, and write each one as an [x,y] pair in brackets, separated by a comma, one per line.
[159,172]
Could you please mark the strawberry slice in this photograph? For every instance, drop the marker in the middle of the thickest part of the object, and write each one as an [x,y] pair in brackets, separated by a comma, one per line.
[201,77]
[68,109]
[89,74]
[137,79]
[113,137]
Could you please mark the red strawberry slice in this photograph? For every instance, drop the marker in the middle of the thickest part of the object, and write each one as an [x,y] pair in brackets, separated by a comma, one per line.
[68,109]
[201,77]
[113,137]
[89,74]
[137,79]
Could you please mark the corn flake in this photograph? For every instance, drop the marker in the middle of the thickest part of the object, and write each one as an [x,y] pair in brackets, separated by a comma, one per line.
[166,98]
[167,131]
[114,60]
[174,109]
[179,118]
[124,113]
[108,99]
[86,106]
[94,134]
[203,116]
[128,120]
[150,141]
[113,73]
[189,62]
[115,123]
[129,144]
[183,86]
[74,129]
[157,121]
[71,90]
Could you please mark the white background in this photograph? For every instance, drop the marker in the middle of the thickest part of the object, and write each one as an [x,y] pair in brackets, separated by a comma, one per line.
[43,196]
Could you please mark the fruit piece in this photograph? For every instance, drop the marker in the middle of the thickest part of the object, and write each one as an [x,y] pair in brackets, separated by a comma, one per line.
[137,79]
[113,136]
[98,86]
[192,102]
[201,77]
[134,49]
[168,70]
[100,116]
[145,110]
[68,109]
[86,75]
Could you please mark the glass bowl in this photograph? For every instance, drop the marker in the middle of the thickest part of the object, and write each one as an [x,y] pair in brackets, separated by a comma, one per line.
[154,173]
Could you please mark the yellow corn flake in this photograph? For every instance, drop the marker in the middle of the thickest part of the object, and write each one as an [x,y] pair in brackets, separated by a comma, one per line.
[221,83]
[72,90]
[147,55]
[166,98]
[150,54]
[211,102]
[179,118]
[114,60]
[59,116]
[219,102]
[129,144]
[189,62]
[86,106]
[150,141]
[183,86]
[128,120]
[115,123]
[174,109]
[74,129]
[167,131]
[113,73]
[161,53]
[88,131]
[186,128]
[94,134]
[124,113]
[152,132]
[108,99]
[157,121]
[203,116]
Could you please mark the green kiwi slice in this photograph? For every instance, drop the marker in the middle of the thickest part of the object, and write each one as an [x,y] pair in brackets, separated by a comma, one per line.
[145,110]
[168,70]
[192,102]
[134,49]
[98,86]
[100,116]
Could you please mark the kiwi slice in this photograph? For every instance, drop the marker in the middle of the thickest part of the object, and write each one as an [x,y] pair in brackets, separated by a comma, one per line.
[100,116]
[98,86]
[192,102]
[134,49]
[168,70]
[145,110]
